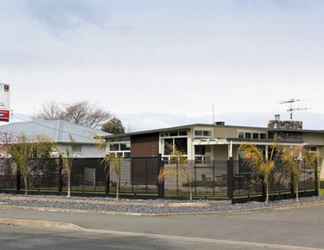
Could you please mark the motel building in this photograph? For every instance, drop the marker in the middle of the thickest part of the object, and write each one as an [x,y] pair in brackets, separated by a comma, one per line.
[213,142]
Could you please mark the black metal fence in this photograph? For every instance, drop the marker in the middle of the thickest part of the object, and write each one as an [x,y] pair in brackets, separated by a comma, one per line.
[249,185]
[141,177]
[206,180]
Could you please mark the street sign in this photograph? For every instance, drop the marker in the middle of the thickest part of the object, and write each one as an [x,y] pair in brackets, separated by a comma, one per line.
[4,115]
[4,102]
[4,95]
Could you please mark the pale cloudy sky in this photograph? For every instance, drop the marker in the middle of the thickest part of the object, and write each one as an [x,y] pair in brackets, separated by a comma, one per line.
[144,58]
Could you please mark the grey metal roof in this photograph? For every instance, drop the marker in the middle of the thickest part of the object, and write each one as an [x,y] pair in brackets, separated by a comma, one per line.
[58,131]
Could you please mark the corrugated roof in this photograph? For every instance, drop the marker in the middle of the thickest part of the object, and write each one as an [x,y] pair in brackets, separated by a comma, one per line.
[58,131]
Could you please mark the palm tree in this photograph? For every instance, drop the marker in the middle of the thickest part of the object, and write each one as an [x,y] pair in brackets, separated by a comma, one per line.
[180,167]
[105,162]
[293,158]
[312,160]
[67,166]
[115,163]
[262,165]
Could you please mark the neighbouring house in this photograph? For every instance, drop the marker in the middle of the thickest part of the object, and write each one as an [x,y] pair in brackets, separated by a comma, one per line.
[79,140]
[213,142]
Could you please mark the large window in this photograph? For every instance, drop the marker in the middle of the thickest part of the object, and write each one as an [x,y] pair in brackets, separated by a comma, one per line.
[180,144]
[247,135]
[255,136]
[252,135]
[202,133]
[121,149]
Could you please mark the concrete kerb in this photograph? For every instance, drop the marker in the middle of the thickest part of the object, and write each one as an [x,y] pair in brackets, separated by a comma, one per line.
[221,212]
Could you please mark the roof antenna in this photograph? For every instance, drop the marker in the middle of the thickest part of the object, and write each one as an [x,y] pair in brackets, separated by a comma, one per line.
[292,108]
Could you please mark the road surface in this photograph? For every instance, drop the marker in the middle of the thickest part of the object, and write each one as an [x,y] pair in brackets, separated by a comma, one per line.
[288,229]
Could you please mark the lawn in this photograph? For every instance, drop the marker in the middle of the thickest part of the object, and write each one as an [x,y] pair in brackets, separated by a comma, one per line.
[322,192]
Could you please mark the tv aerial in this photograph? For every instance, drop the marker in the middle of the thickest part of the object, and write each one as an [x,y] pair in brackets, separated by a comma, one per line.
[292,108]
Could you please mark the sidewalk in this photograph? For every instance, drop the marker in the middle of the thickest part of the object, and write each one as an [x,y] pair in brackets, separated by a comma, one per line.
[142,207]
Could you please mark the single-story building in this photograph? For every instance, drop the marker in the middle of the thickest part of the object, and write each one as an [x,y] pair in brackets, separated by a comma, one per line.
[79,140]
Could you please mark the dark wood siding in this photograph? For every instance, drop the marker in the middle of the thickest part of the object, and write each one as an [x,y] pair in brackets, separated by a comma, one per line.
[146,145]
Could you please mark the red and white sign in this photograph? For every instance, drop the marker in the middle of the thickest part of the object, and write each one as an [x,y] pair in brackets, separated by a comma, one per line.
[4,95]
[4,102]
[4,115]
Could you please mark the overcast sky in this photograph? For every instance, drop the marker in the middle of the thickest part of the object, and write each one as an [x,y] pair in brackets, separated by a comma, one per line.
[163,57]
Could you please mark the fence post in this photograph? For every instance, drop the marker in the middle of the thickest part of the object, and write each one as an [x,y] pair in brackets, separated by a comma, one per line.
[161,183]
[60,174]
[317,184]
[107,179]
[214,176]
[292,185]
[18,186]
[146,175]
[230,175]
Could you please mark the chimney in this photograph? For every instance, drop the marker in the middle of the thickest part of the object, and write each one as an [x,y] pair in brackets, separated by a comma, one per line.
[220,123]
[277,117]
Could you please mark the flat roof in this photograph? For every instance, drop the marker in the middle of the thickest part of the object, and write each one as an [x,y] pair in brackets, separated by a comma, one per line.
[189,126]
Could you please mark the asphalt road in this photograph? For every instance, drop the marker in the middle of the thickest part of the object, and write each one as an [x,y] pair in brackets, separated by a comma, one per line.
[16,238]
[289,229]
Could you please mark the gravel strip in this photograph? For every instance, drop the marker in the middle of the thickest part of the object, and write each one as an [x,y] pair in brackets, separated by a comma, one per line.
[145,207]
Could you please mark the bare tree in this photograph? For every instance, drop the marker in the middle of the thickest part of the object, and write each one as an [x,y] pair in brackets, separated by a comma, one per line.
[51,111]
[82,113]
